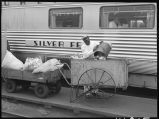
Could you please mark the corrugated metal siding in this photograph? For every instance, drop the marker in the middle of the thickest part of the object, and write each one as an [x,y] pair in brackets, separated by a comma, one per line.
[143,67]
[130,45]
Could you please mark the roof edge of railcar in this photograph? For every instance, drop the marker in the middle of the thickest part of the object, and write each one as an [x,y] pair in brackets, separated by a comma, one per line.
[59,4]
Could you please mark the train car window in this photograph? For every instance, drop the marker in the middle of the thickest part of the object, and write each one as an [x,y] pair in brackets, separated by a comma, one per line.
[130,17]
[22,3]
[65,18]
[6,3]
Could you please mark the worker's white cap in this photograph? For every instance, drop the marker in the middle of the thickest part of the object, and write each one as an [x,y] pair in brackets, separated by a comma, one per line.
[85,38]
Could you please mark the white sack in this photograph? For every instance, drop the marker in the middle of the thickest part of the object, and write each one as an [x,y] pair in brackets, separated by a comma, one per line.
[77,56]
[11,62]
[32,63]
[48,66]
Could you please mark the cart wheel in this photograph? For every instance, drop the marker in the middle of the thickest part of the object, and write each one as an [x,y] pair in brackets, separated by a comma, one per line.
[98,82]
[10,86]
[41,90]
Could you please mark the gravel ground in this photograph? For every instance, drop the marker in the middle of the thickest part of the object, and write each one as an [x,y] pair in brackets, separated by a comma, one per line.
[8,105]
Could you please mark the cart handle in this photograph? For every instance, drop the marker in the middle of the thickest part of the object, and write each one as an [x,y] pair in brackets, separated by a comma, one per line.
[63,74]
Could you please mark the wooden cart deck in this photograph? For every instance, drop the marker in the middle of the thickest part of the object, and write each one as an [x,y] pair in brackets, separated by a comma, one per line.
[117,68]
[29,76]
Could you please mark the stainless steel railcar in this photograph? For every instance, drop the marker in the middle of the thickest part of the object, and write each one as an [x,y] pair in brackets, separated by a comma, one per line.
[55,30]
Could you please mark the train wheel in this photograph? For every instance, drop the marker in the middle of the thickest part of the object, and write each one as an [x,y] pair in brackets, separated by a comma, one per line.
[97,82]
[10,86]
[41,90]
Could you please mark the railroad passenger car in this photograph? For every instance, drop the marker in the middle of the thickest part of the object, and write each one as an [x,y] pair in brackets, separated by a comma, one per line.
[55,29]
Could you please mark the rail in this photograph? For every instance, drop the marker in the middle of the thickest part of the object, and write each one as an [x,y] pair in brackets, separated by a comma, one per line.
[9,114]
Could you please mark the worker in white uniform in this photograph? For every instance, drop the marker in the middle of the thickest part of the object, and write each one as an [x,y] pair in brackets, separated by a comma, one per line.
[87,50]
[88,46]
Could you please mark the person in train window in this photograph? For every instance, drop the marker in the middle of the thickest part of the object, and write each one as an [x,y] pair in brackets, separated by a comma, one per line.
[140,24]
[88,46]
[123,23]
[113,21]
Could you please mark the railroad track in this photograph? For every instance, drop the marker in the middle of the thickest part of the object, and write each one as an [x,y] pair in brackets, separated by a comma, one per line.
[61,107]
[10,114]
[40,110]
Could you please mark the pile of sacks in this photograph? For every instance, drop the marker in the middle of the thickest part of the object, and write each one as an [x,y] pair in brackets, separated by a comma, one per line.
[31,64]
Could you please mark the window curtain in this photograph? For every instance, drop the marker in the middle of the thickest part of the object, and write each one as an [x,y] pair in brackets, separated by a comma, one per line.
[150,19]
[67,11]
[104,20]
[52,20]
[80,20]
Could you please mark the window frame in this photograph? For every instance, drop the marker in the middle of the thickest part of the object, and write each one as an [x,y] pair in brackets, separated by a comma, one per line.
[127,11]
[65,27]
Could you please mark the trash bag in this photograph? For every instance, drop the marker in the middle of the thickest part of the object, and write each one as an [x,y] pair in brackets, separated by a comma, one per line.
[32,63]
[11,62]
[48,66]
